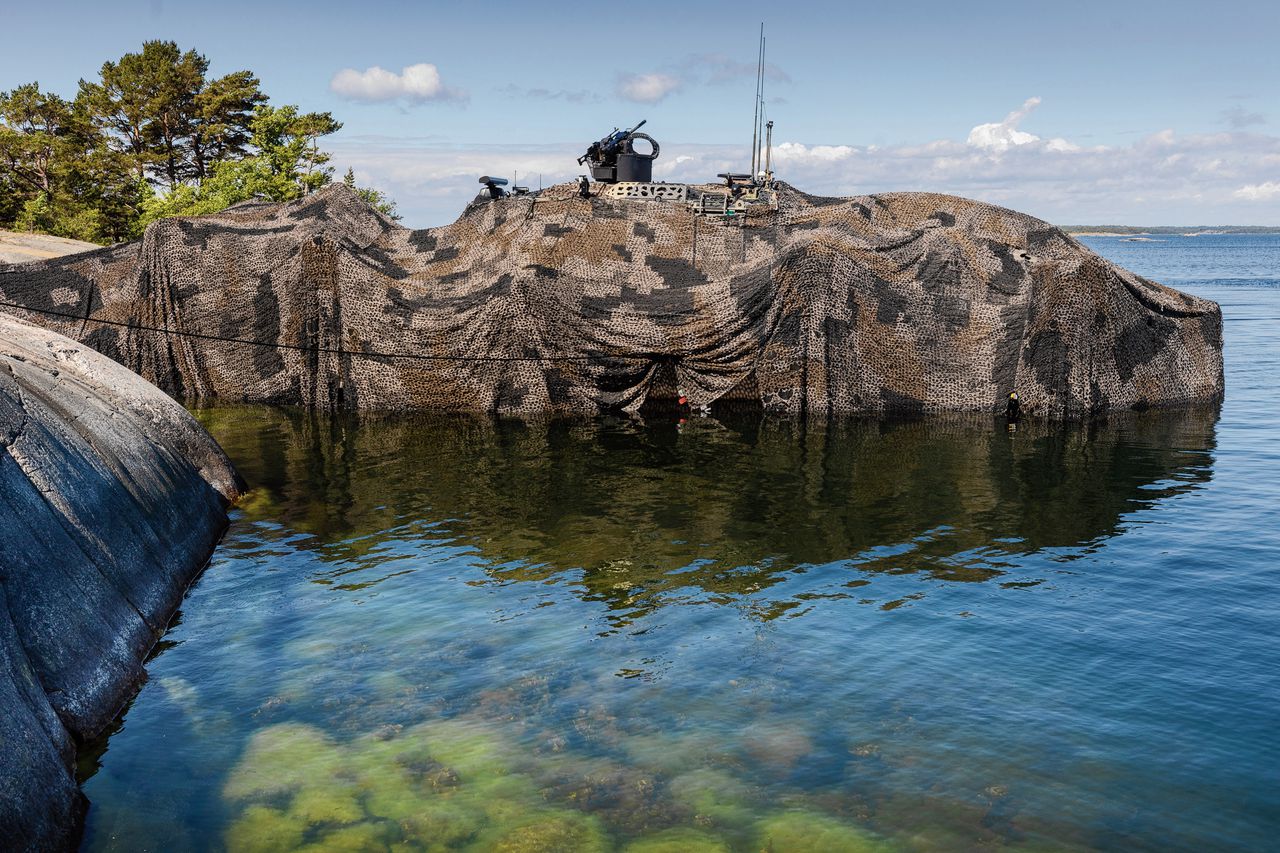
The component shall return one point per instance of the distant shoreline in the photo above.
(1178, 230)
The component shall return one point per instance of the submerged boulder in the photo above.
(892, 303)
(111, 499)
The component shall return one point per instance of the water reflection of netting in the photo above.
(901, 302)
(637, 516)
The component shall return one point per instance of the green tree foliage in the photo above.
(153, 136)
(159, 107)
(287, 163)
(58, 173)
(374, 198)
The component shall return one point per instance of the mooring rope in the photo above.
(334, 350)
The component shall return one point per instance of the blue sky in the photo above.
(1119, 112)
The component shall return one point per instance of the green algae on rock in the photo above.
(679, 840)
(813, 832)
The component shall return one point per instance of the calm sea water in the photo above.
(450, 634)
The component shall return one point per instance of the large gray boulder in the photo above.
(111, 499)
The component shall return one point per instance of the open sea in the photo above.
(432, 634)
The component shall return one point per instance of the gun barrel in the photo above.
(642, 123)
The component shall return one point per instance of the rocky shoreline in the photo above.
(112, 498)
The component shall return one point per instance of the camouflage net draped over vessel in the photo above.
(893, 303)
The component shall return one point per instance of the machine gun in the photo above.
(614, 158)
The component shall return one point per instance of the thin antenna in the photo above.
(764, 44)
(755, 119)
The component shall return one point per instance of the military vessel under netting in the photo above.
(615, 291)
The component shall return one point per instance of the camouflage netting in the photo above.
(902, 303)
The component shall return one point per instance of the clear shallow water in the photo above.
(736, 635)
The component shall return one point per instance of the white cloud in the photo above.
(795, 152)
(415, 83)
(1002, 135)
(647, 88)
(1259, 192)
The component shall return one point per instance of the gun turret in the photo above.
(494, 186)
(615, 159)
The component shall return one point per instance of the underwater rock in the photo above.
(716, 798)
(265, 830)
(300, 789)
(111, 499)
(810, 832)
(562, 832)
(678, 841)
(889, 303)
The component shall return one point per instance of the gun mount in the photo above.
(615, 160)
(494, 186)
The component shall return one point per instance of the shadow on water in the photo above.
(635, 514)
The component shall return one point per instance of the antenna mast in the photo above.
(755, 121)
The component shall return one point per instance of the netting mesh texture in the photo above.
(893, 303)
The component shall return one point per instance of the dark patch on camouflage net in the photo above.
(861, 209)
(1098, 400)
(641, 230)
(622, 252)
(558, 386)
(190, 230)
(1011, 277)
(448, 253)
(1211, 329)
(788, 331)
(318, 210)
(553, 230)
(836, 332)
(423, 241)
(676, 272)
(543, 271)
(895, 403)
(751, 285)
(510, 394)
(104, 339)
(806, 225)
(383, 263)
(1046, 355)
(1041, 239)
(953, 311)
(946, 219)
(1141, 341)
(1004, 366)
(938, 272)
(890, 303)
(403, 305)
(267, 361)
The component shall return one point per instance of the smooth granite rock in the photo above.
(896, 303)
(111, 499)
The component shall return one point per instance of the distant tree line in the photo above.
(1171, 229)
(154, 136)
